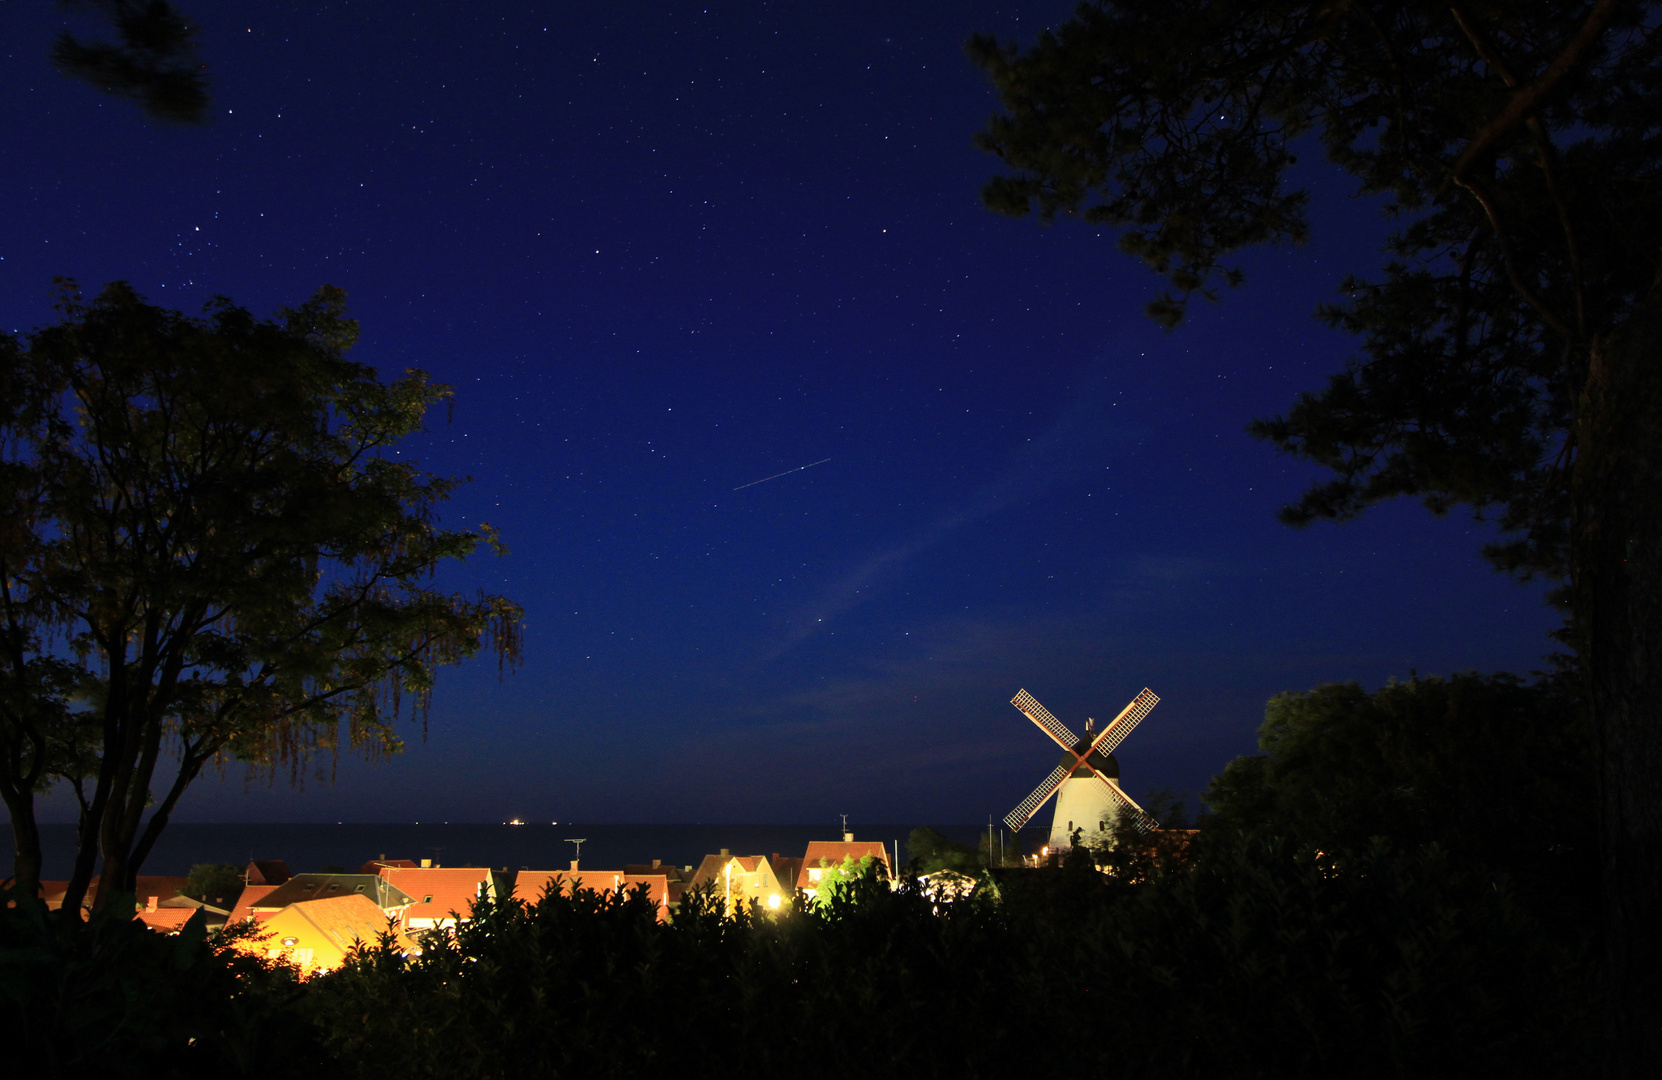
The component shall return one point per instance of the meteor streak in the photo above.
(777, 475)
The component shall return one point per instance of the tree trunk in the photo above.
(1617, 577)
(26, 862)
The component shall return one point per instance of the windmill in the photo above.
(1086, 781)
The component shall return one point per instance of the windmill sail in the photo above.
(1130, 717)
(1041, 716)
(1140, 816)
(1025, 809)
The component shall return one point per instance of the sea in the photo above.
(314, 847)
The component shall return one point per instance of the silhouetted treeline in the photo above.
(1355, 908)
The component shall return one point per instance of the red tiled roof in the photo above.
(166, 920)
(267, 872)
(162, 888)
(251, 895)
(530, 885)
(374, 866)
(439, 892)
(344, 919)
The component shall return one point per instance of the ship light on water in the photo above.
(516, 821)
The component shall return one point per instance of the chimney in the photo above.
(656, 863)
(427, 864)
(848, 838)
(150, 902)
(383, 856)
(574, 866)
(725, 853)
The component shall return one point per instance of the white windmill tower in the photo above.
(1086, 781)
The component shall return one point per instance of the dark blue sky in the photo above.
(665, 250)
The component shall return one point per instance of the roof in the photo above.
(440, 892)
(242, 911)
(166, 920)
(374, 866)
(162, 888)
(268, 872)
(303, 887)
(833, 852)
(344, 919)
(787, 869)
(713, 867)
(531, 884)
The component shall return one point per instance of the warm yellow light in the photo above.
(773, 900)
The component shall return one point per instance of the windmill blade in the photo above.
(1129, 717)
(1030, 805)
(1143, 822)
(1040, 715)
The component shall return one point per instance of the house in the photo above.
(439, 896)
(788, 870)
(530, 885)
(374, 866)
(244, 909)
(266, 872)
(737, 880)
(303, 887)
(164, 920)
(169, 920)
(317, 934)
(151, 891)
(823, 855)
(677, 879)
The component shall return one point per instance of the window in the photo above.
(428, 899)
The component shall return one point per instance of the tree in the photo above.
(1510, 342)
(213, 547)
(931, 850)
(1493, 770)
(838, 879)
(155, 63)
(214, 883)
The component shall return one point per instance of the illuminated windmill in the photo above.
(1086, 781)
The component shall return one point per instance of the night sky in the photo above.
(665, 250)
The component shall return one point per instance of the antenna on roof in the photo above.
(579, 852)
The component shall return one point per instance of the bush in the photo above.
(1253, 960)
(110, 997)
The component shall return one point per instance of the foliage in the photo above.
(835, 879)
(216, 547)
(1513, 142)
(155, 64)
(110, 997)
(1254, 961)
(930, 850)
(1492, 769)
(214, 883)
(1509, 343)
